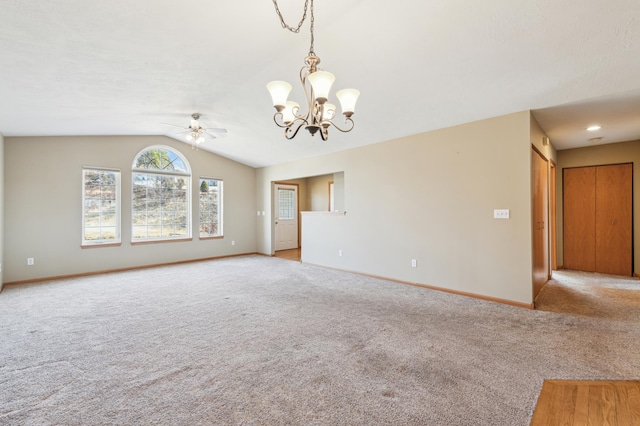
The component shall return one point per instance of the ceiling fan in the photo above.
(195, 133)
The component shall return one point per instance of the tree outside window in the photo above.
(210, 207)
(161, 195)
(100, 206)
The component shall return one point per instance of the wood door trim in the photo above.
(544, 157)
(274, 213)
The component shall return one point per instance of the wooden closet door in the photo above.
(614, 219)
(540, 213)
(579, 225)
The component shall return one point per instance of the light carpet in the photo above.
(255, 340)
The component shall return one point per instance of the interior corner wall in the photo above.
(1, 211)
(537, 135)
(43, 206)
(615, 153)
(431, 197)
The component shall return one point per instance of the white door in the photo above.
(286, 214)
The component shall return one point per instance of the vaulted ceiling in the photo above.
(71, 67)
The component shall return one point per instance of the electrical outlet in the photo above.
(339, 252)
(233, 243)
(501, 214)
(31, 261)
(414, 263)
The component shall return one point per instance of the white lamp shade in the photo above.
(200, 139)
(348, 98)
(189, 137)
(279, 92)
(328, 111)
(321, 82)
(290, 111)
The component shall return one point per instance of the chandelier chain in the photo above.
(304, 17)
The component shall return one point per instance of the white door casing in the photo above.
(286, 216)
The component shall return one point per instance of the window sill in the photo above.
(98, 245)
(217, 237)
(173, 240)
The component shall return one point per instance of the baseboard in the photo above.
(130, 268)
(478, 296)
(436, 288)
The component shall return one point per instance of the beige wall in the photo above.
(1, 211)
(616, 153)
(430, 197)
(43, 206)
(318, 193)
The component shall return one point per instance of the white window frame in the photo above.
(220, 233)
(163, 173)
(118, 234)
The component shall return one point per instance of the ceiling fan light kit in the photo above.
(317, 86)
(195, 133)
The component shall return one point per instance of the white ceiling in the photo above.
(72, 67)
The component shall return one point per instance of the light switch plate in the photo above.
(501, 214)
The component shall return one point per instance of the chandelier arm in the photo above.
(302, 120)
(275, 120)
(289, 133)
(344, 130)
(308, 93)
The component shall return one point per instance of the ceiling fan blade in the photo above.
(210, 135)
(174, 125)
(216, 130)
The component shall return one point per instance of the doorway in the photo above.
(285, 204)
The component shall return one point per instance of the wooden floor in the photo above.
(575, 402)
(293, 254)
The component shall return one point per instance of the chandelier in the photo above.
(317, 84)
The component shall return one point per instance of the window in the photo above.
(161, 181)
(100, 206)
(286, 203)
(210, 207)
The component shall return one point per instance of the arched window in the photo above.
(161, 188)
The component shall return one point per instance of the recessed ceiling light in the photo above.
(595, 140)
(594, 128)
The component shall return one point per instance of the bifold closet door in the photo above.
(598, 219)
(579, 234)
(614, 219)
